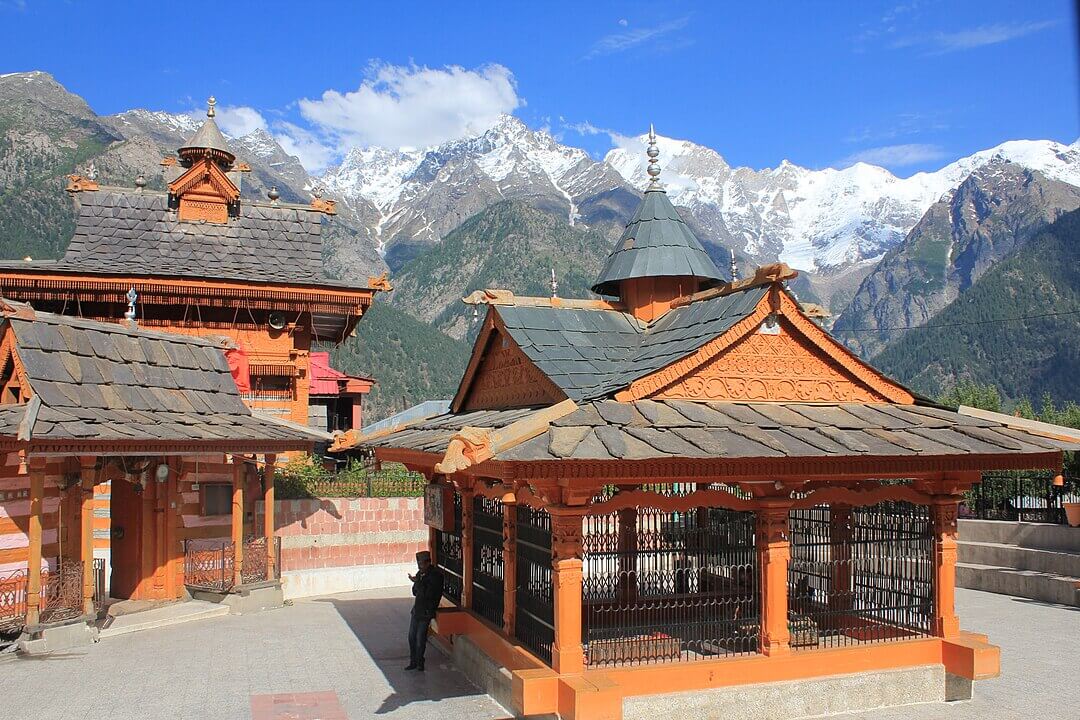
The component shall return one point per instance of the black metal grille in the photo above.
(534, 617)
(669, 586)
(487, 550)
(861, 574)
(1027, 496)
(448, 556)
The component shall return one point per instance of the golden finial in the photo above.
(210, 107)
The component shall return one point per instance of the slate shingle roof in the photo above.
(591, 353)
(656, 243)
(647, 429)
(135, 233)
(103, 381)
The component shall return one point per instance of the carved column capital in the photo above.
(772, 526)
(943, 513)
(566, 535)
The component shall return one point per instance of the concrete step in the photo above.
(1032, 584)
(172, 614)
(1020, 558)
(1039, 536)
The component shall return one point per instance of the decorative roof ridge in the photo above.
(496, 296)
(764, 275)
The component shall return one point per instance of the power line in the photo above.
(962, 324)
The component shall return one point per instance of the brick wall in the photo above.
(322, 535)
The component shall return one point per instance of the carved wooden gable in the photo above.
(789, 359)
(506, 378)
(205, 192)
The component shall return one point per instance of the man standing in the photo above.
(427, 588)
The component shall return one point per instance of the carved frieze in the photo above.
(507, 378)
(779, 367)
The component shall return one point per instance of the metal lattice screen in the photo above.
(448, 557)
(487, 550)
(534, 616)
(860, 574)
(662, 586)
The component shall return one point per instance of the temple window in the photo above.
(217, 499)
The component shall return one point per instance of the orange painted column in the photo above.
(268, 515)
(943, 516)
(509, 566)
(467, 495)
(238, 520)
(840, 547)
(33, 583)
(567, 654)
(774, 551)
(87, 476)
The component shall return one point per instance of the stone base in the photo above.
(957, 688)
(244, 599)
(47, 639)
(790, 699)
(329, 581)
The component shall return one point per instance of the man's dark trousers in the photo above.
(418, 632)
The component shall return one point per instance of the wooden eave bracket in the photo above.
(22, 311)
(472, 446)
(380, 282)
(78, 183)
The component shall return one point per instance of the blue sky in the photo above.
(910, 85)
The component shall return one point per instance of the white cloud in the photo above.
(622, 41)
(314, 154)
(623, 22)
(895, 155)
(238, 121)
(414, 107)
(940, 43)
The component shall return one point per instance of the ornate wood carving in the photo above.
(566, 533)
(772, 526)
(672, 503)
(781, 367)
(205, 192)
(507, 378)
(380, 282)
(326, 206)
(78, 183)
(944, 517)
(850, 496)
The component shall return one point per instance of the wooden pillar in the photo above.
(509, 565)
(774, 551)
(839, 597)
(268, 515)
(467, 495)
(943, 517)
(567, 654)
(33, 583)
(87, 479)
(238, 520)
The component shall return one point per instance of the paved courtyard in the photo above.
(342, 657)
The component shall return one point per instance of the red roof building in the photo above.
(335, 400)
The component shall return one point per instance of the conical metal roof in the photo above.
(208, 137)
(656, 243)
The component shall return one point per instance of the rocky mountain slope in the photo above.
(994, 212)
(968, 340)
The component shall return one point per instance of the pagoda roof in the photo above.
(208, 137)
(131, 232)
(99, 384)
(656, 243)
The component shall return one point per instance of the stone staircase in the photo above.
(1029, 560)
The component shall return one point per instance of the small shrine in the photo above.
(689, 485)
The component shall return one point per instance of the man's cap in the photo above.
(423, 555)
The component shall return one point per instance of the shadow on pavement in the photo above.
(1029, 601)
(381, 625)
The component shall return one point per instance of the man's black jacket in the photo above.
(427, 588)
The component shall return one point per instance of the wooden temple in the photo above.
(157, 415)
(689, 485)
(203, 260)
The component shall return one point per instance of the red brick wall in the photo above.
(341, 532)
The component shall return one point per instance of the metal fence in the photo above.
(860, 574)
(661, 586)
(487, 554)
(1028, 496)
(534, 616)
(448, 556)
(210, 565)
(62, 592)
(13, 601)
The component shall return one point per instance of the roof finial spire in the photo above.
(653, 152)
(554, 284)
(210, 103)
(734, 270)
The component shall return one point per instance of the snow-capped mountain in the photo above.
(820, 219)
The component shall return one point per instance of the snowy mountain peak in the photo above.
(174, 122)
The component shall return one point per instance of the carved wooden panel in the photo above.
(780, 367)
(506, 378)
(215, 212)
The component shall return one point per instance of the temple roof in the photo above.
(131, 232)
(209, 137)
(647, 429)
(99, 382)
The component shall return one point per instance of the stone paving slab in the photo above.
(351, 649)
